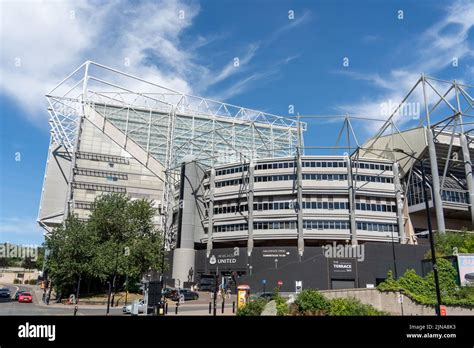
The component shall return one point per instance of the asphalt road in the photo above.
(15, 308)
(199, 307)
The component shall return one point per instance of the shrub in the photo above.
(16, 281)
(32, 281)
(253, 308)
(352, 306)
(281, 306)
(312, 302)
(422, 290)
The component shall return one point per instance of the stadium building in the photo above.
(235, 192)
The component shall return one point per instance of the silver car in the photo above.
(141, 307)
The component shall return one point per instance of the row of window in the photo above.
(326, 205)
(370, 178)
(306, 164)
(101, 174)
(260, 225)
(277, 165)
(83, 205)
(231, 182)
(330, 177)
(319, 177)
(373, 166)
(454, 196)
(262, 206)
(391, 208)
(312, 164)
(376, 227)
(325, 225)
(95, 187)
(102, 158)
(232, 170)
(308, 225)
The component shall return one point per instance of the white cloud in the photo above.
(434, 51)
(50, 39)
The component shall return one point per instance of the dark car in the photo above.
(266, 295)
(167, 292)
(18, 293)
(5, 294)
(186, 293)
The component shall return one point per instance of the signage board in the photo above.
(342, 268)
(228, 258)
(443, 310)
(298, 286)
(466, 269)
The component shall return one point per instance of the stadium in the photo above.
(238, 193)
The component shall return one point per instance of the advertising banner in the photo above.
(466, 269)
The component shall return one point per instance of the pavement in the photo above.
(38, 307)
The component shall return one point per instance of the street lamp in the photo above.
(430, 229)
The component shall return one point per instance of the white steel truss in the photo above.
(169, 125)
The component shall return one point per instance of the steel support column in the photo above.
(210, 213)
(351, 202)
(70, 195)
(438, 203)
(468, 170)
(250, 194)
(398, 196)
(299, 194)
(466, 156)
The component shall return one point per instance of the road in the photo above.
(15, 308)
(198, 307)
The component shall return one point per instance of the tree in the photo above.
(119, 240)
(28, 263)
(72, 248)
(129, 243)
(450, 242)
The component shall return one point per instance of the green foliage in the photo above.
(118, 240)
(312, 302)
(6, 262)
(16, 281)
(446, 244)
(281, 305)
(352, 306)
(422, 289)
(32, 281)
(252, 308)
(28, 263)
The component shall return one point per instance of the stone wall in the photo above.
(389, 302)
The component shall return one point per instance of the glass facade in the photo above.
(211, 139)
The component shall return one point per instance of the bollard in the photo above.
(233, 306)
(75, 310)
(210, 307)
(222, 310)
(166, 308)
(176, 308)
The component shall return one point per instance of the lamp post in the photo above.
(430, 229)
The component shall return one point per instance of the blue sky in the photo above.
(191, 46)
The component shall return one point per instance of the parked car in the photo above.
(18, 293)
(187, 293)
(141, 308)
(266, 295)
(5, 294)
(25, 297)
(167, 292)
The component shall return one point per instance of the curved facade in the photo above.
(258, 205)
